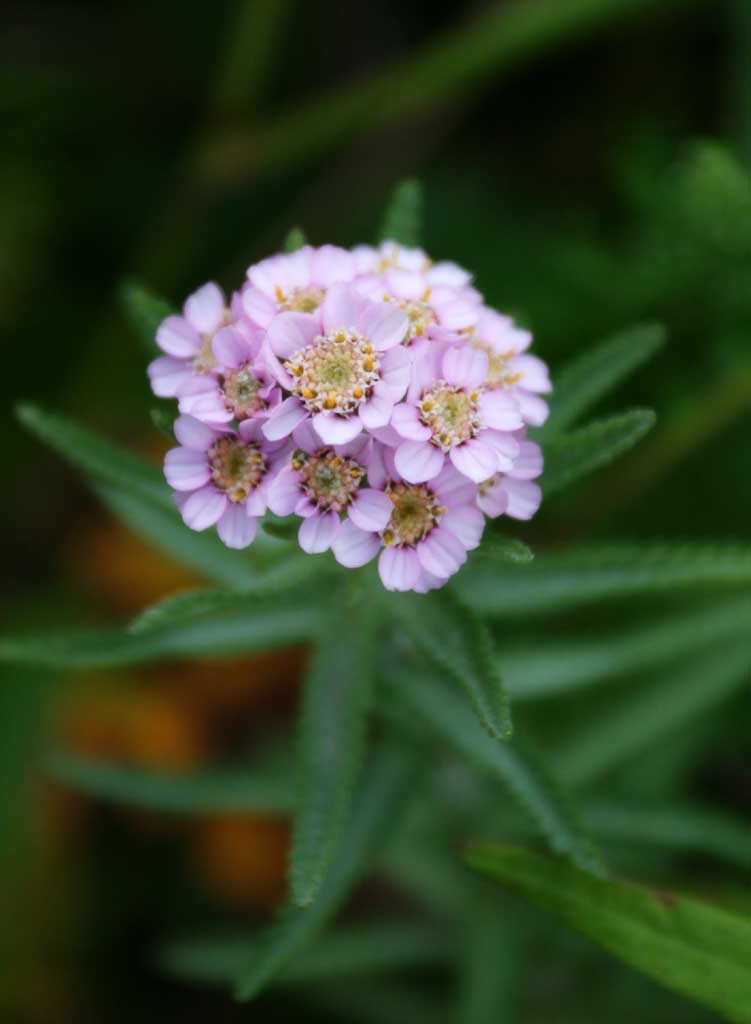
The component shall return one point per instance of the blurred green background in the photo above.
(587, 159)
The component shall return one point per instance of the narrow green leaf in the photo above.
(402, 221)
(204, 792)
(331, 739)
(593, 375)
(386, 785)
(574, 455)
(684, 827)
(692, 947)
(564, 666)
(373, 948)
(280, 579)
(667, 704)
(144, 311)
(520, 771)
(288, 619)
(505, 549)
(163, 419)
(579, 576)
(490, 967)
(295, 240)
(456, 643)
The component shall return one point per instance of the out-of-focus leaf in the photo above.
(667, 704)
(490, 967)
(287, 620)
(331, 740)
(579, 576)
(204, 792)
(505, 549)
(593, 375)
(145, 311)
(457, 644)
(573, 455)
(386, 785)
(676, 826)
(295, 240)
(163, 419)
(518, 769)
(362, 950)
(402, 221)
(692, 947)
(561, 666)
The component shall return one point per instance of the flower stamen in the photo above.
(237, 467)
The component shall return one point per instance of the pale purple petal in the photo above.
(192, 433)
(500, 410)
(405, 284)
(523, 498)
(176, 337)
(528, 465)
(448, 273)
(284, 419)
(376, 411)
(493, 500)
(290, 332)
(418, 461)
(167, 376)
(371, 510)
(334, 429)
(331, 265)
(201, 397)
(186, 469)
(203, 508)
(383, 325)
(476, 459)
(465, 367)
(504, 445)
(352, 547)
(534, 373)
(341, 307)
(306, 438)
(441, 553)
(258, 307)
(230, 347)
(399, 568)
(256, 504)
(533, 408)
(317, 532)
(204, 309)
(396, 368)
(377, 473)
(284, 493)
(407, 423)
(453, 488)
(466, 523)
(235, 527)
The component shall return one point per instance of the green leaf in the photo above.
(283, 528)
(295, 240)
(387, 783)
(491, 966)
(520, 770)
(692, 947)
(593, 375)
(456, 643)
(505, 549)
(579, 576)
(564, 666)
(574, 455)
(288, 619)
(163, 418)
(145, 312)
(683, 827)
(373, 948)
(402, 222)
(667, 704)
(204, 792)
(331, 739)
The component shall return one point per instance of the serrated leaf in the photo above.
(295, 240)
(667, 704)
(287, 620)
(372, 948)
(579, 576)
(145, 311)
(276, 581)
(576, 662)
(402, 221)
(692, 947)
(571, 456)
(454, 641)
(386, 784)
(520, 770)
(593, 375)
(204, 792)
(331, 741)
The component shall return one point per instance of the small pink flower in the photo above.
(510, 366)
(294, 282)
(426, 539)
(322, 483)
(241, 386)
(513, 493)
(343, 366)
(451, 417)
(221, 477)
(187, 340)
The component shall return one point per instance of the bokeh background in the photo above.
(587, 159)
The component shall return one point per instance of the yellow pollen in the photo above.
(367, 348)
(330, 402)
(367, 365)
(296, 464)
(357, 392)
(426, 293)
(240, 494)
(388, 537)
(474, 395)
(512, 378)
(386, 296)
(309, 393)
(355, 473)
(419, 330)
(427, 406)
(296, 370)
(279, 293)
(340, 336)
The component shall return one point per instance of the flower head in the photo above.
(295, 282)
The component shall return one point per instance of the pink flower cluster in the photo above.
(369, 392)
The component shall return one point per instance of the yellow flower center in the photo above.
(451, 413)
(336, 373)
(329, 480)
(416, 512)
(236, 468)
